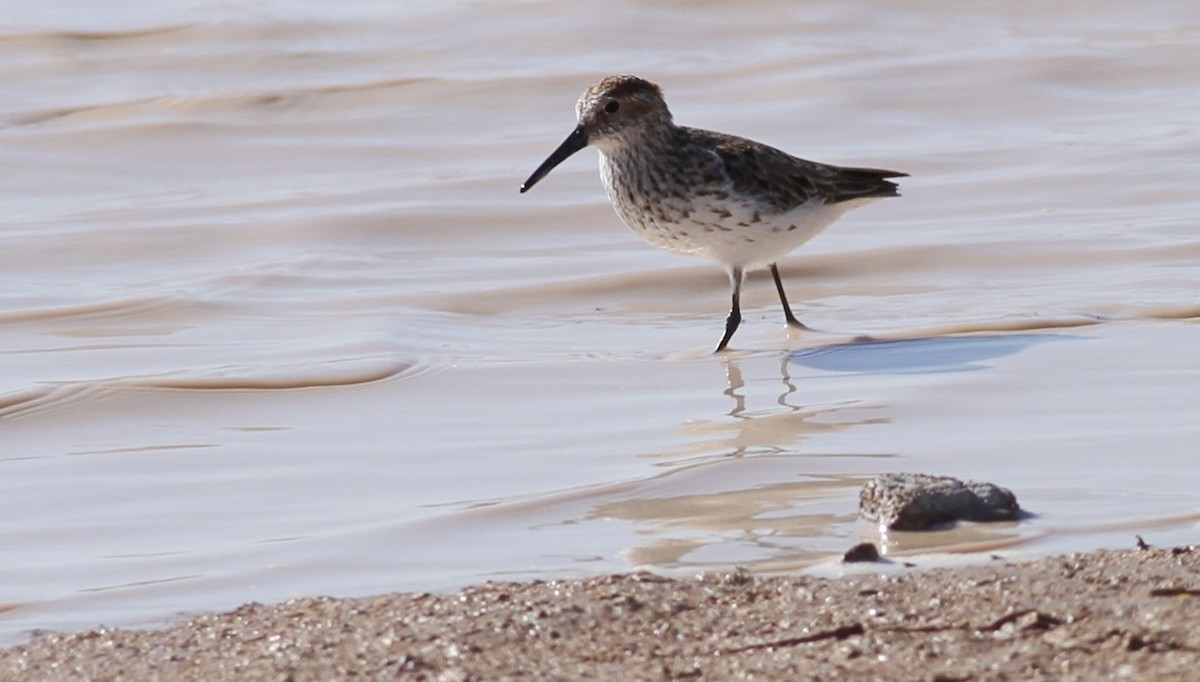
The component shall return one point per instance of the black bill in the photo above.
(575, 141)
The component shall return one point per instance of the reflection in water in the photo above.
(754, 498)
(919, 356)
(742, 492)
(771, 430)
(784, 521)
(735, 389)
(735, 383)
(960, 538)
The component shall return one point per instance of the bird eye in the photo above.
(612, 107)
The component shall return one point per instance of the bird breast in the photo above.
(701, 216)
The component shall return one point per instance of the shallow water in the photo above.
(274, 320)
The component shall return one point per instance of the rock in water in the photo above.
(861, 553)
(920, 501)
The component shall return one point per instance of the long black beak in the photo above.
(575, 141)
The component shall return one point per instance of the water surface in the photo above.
(274, 320)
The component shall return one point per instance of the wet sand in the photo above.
(1105, 615)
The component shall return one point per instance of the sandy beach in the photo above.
(1106, 615)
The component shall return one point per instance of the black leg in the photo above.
(735, 311)
(787, 310)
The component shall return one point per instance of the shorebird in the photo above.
(701, 193)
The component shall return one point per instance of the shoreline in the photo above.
(1098, 615)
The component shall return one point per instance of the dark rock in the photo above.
(864, 551)
(920, 501)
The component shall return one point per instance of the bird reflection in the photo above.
(772, 429)
(735, 383)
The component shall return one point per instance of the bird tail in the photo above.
(866, 183)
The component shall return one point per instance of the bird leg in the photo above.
(735, 312)
(787, 310)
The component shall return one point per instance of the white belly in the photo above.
(731, 232)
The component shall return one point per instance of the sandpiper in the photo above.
(701, 193)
